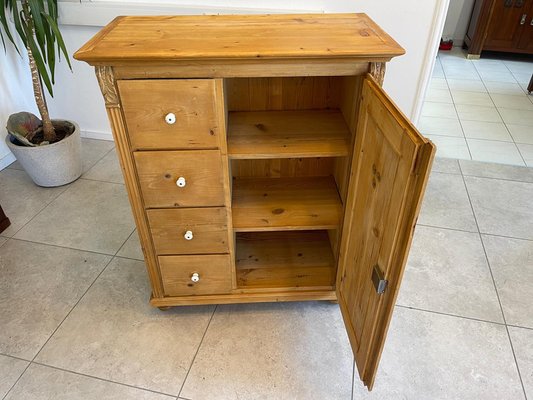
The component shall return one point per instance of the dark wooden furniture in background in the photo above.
(500, 25)
(4, 221)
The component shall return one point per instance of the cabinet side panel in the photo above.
(222, 117)
(118, 127)
(350, 100)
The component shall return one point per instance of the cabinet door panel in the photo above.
(505, 28)
(389, 172)
(526, 39)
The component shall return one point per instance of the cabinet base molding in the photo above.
(243, 298)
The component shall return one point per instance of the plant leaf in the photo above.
(35, 11)
(22, 139)
(59, 37)
(4, 22)
(18, 23)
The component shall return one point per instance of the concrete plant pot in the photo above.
(53, 164)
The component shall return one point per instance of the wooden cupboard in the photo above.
(500, 25)
(264, 162)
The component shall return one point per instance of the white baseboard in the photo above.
(97, 135)
(430, 56)
(7, 160)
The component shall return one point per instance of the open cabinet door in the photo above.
(390, 167)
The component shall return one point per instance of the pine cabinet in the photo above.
(264, 162)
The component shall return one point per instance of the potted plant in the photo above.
(48, 150)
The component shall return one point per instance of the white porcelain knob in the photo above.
(170, 118)
(181, 182)
(195, 277)
(188, 235)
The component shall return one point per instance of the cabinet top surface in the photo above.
(218, 37)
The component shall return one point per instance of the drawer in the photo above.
(170, 113)
(213, 273)
(189, 230)
(180, 178)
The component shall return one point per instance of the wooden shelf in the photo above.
(275, 204)
(287, 134)
(284, 259)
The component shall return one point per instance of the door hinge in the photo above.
(378, 279)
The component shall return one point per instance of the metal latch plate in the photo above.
(378, 279)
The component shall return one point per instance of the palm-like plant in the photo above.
(35, 24)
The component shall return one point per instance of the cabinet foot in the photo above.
(334, 301)
(164, 308)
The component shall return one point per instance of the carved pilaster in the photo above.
(106, 80)
(377, 70)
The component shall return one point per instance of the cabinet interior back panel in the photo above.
(293, 93)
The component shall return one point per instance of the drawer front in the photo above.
(213, 274)
(170, 113)
(189, 230)
(180, 178)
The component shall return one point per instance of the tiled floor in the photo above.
(480, 109)
(75, 321)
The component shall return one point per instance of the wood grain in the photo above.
(265, 204)
(216, 37)
(158, 172)
(263, 68)
(214, 272)
(284, 259)
(192, 101)
(208, 225)
(253, 297)
(391, 158)
(283, 94)
(287, 134)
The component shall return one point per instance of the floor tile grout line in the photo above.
(82, 178)
(101, 379)
(482, 233)
(457, 113)
(79, 300)
(126, 241)
(100, 159)
(520, 327)
(197, 350)
(486, 140)
(495, 289)
(483, 82)
(65, 247)
(449, 314)
(32, 361)
(353, 378)
(504, 123)
(17, 381)
(72, 309)
(66, 187)
(15, 357)
(493, 178)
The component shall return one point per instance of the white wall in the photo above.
(15, 94)
(411, 22)
(457, 20)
